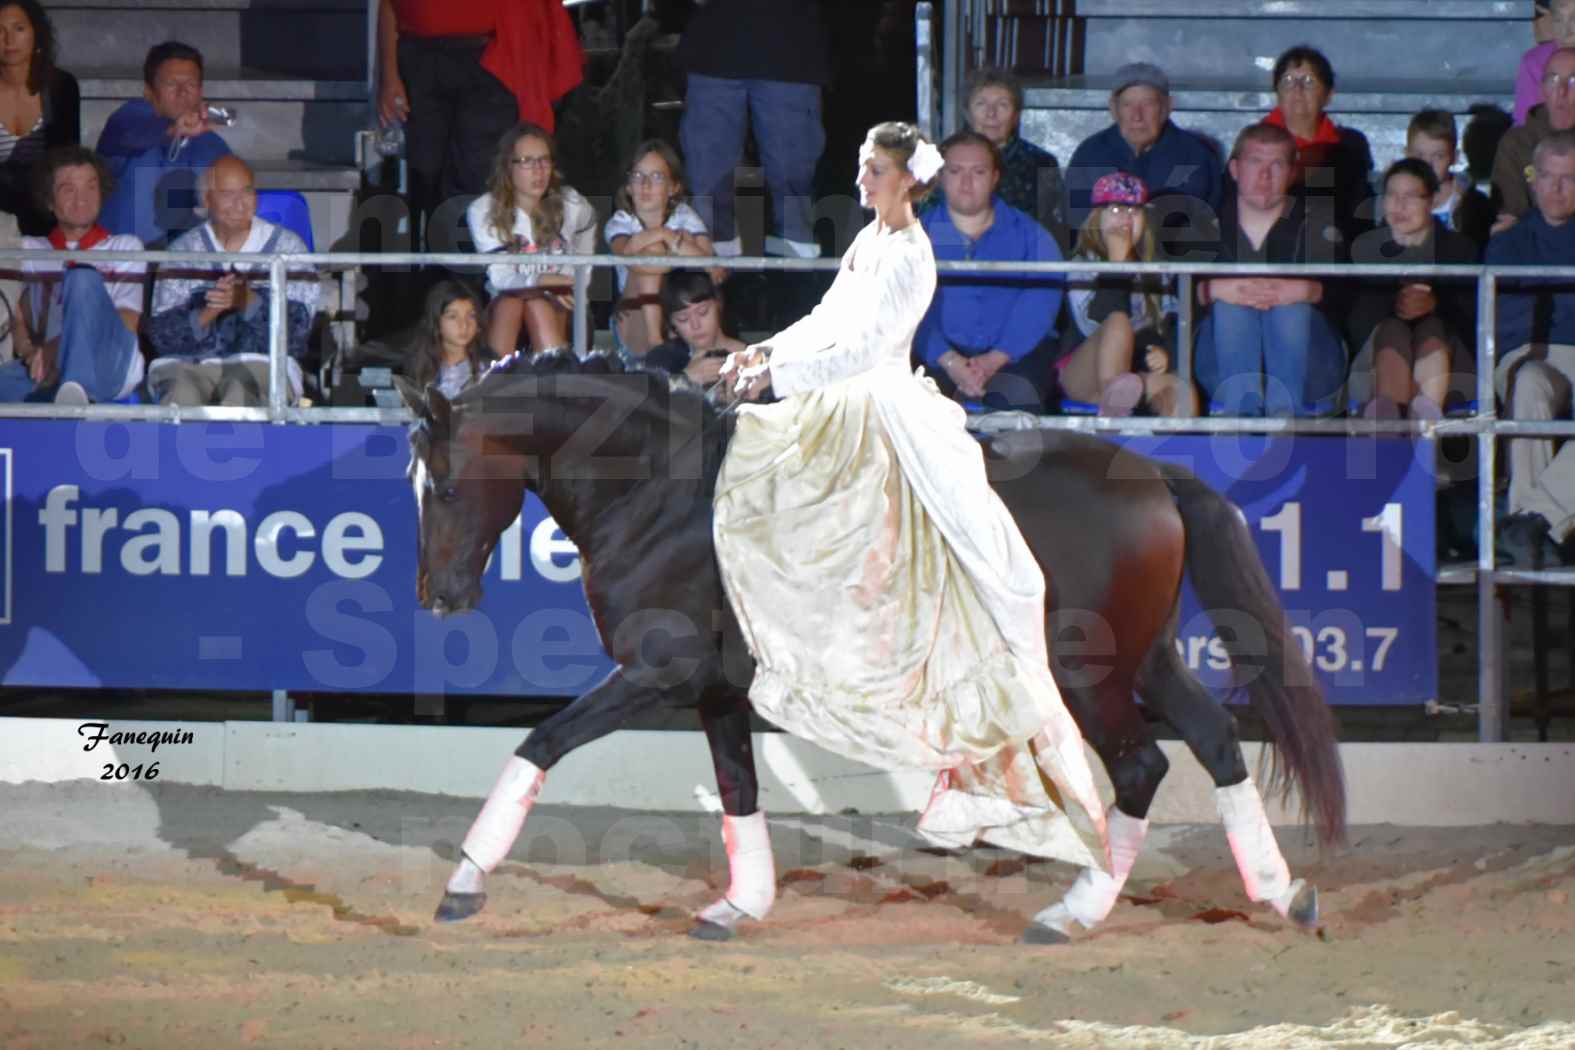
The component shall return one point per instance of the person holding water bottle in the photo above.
(155, 147)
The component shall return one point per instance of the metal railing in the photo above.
(1483, 424)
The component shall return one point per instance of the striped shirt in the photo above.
(22, 150)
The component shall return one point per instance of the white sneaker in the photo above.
(72, 393)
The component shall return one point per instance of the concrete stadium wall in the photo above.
(1407, 784)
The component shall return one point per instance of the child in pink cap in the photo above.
(1126, 324)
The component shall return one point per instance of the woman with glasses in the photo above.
(1412, 330)
(653, 218)
(529, 211)
(1333, 161)
(1534, 63)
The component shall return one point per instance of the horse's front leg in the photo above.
(1113, 725)
(1210, 733)
(752, 874)
(490, 838)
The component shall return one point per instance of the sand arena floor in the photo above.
(169, 917)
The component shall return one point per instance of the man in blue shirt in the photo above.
(987, 337)
(1181, 170)
(157, 145)
(1534, 374)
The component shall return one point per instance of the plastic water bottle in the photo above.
(390, 140)
(218, 117)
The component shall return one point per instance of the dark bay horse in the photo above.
(626, 462)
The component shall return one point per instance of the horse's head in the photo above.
(468, 489)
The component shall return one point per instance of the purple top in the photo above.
(1528, 81)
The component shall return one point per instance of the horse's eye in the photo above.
(449, 495)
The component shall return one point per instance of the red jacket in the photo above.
(536, 54)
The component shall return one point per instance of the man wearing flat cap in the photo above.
(1173, 163)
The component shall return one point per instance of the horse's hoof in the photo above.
(1039, 933)
(705, 930)
(1303, 910)
(457, 906)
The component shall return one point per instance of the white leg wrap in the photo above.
(752, 872)
(498, 825)
(1258, 858)
(1094, 893)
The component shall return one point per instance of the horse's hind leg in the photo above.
(503, 815)
(1114, 727)
(752, 876)
(1170, 688)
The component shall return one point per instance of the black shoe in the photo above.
(1524, 543)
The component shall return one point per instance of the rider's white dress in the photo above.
(895, 611)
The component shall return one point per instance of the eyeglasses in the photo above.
(648, 178)
(531, 162)
(1553, 82)
(1300, 82)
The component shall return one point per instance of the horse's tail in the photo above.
(1227, 574)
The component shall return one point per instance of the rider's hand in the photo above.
(738, 372)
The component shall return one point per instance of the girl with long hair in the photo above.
(653, 218)
(1127, 324)
(528, 211)
(448, 350)
(40, 108)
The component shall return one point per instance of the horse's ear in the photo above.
(414, 398)
(440, 407)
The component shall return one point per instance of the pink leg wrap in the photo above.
(1258, 858)
(1094, 893)
(501, 818)
(752, 873)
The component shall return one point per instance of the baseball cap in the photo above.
(1145, 73)
(1119, 187)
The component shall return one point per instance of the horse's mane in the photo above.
(684, 400)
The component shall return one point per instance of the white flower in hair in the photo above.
(925, 162)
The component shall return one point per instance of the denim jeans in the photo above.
(1287, 361)
(788, 132)
(95, 346)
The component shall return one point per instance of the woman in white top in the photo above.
(894, 609)
(529, 211)
(653, 218)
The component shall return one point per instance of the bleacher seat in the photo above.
(287, 208)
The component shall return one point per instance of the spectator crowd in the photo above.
(1294, 186)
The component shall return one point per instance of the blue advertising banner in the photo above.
(1345, 527)
(253, 557)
